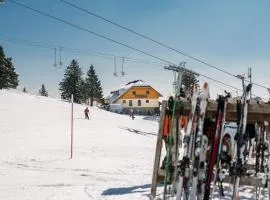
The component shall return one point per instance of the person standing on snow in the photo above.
(86, 113)
(131, 114)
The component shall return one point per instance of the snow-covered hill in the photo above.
(113, 155)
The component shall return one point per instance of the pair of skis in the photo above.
(214, 146)
(185, 162)
(191, 144)
(201, 143)
(238, 169)
(260, 148)
(262, 129)
(219, 174)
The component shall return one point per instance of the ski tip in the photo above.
(205, 89)
(205, 85)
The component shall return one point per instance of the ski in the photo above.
(218, 174)
(262, 151)
(258, 147)
(267, 136)
(214, 146)
(185, 162)
(238, 169)
(168, 140)
(198, 173)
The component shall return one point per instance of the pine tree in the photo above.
(43, 91)
(92, 86)
(188, 80)
(72, 83)
(13, 81)
(24, 90)
(8, 76)
(3, 69)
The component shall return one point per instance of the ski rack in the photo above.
(256, 112)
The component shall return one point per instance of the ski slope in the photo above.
(113, 155)
(112, 159)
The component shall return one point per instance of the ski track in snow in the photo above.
(113, 155)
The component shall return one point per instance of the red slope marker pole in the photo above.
(71, 132)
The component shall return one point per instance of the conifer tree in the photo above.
(13, 81)
(43, 91)
(2, 69)
(72, 83)
(8, 76)
(188, 80)
(92, 86)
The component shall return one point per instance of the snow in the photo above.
(112, 159)
(113, 155)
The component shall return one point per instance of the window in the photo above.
(139, 103)
(130, 102)
(146, 101)
(147, 92)
(124, 101)
(134, 92)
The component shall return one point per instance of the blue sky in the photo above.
(232, 35)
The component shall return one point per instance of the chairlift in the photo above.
(115, 73)
(122, 72)
(55, 64)
(60, 56)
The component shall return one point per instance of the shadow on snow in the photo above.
(138, 131)
(152, 118)
(126, 190)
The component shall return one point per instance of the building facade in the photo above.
(138, 96)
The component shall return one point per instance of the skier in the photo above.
(131, 113)
(86, 113)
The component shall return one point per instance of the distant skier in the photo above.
(131, 113)
(86, 113)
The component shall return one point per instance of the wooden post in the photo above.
(158, 151)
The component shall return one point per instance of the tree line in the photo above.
(72, 83)
(82, 89)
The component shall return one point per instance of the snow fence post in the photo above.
(71, 131)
